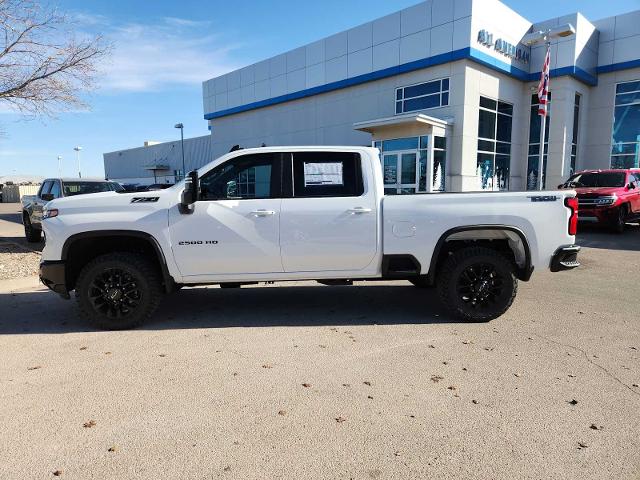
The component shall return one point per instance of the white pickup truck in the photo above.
(300, 213)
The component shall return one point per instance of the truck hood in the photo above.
(113, 201)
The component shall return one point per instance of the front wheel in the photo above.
(619, 223)
(32, 234)
(117, 291)
(477, 284)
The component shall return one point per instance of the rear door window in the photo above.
(326, 174)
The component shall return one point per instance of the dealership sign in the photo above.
(508, 49)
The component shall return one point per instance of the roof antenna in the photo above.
(234, 148)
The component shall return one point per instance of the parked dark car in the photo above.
(52, 188)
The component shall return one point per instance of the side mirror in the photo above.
(631, 186)
(190, 192)
(47, 197)
(561, 186)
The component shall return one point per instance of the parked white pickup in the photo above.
(300, 213)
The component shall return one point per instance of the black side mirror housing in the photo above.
(631, 186)
(47, 197)
(561, 186)
(190, 192)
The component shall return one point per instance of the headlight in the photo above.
(50, 213)
(605, 200)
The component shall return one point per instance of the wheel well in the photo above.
(508, 241)
(78, 252)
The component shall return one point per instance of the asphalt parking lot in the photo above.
(309, 381)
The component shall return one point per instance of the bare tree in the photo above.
(45, 66)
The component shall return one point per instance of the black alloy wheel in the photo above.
(115, 293)
(477, 284)
(118, 290)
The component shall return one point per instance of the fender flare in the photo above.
(166, 276)
(523, 273)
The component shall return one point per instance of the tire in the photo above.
(32, 234)
(101, 294)
(421, 282)
(619, 223)
(468, 274)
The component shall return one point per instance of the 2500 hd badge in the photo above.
(198, 242)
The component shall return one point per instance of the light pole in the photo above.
(181, 127)
(60, 165)
(545, 36)
(77, 149)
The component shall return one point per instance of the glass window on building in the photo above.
(405, 164)
(574, 135)
(439, 163)
(422, 96)
(534, 143)
(495, 119)
(625, 144)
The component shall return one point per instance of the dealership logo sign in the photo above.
(504, 47)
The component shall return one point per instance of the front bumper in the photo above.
(565, 258)
(53, 276)
(603, 215)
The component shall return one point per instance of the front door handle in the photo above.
(357, 210)
(263, 213)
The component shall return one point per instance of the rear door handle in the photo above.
(359, 210)
(263, 213)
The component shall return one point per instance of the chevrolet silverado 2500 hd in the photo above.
(300, 213)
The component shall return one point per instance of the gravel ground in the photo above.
(17, 261)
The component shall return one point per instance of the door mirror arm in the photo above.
(190, 192)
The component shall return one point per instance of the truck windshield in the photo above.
(597, 179)
(81, 188)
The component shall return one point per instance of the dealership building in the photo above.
(445, 89)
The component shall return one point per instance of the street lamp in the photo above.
(545, 36)
(60, 165)
(181, 127)
(77, 149)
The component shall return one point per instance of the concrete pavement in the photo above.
(309, 381)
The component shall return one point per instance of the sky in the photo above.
(164, 50)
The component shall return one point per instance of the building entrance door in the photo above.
(401, 172)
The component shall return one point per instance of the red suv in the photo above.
(608, 197)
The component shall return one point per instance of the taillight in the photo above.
(572, 204)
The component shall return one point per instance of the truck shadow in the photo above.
(11, 217)
(20, 245)
(599, 237)
(44, 312)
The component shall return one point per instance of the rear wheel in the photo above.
(118, 290)
(477, 284)
(619, 223)
(32, 234)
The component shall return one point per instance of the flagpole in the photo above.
(543, 127)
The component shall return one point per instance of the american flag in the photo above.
(543, 86)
